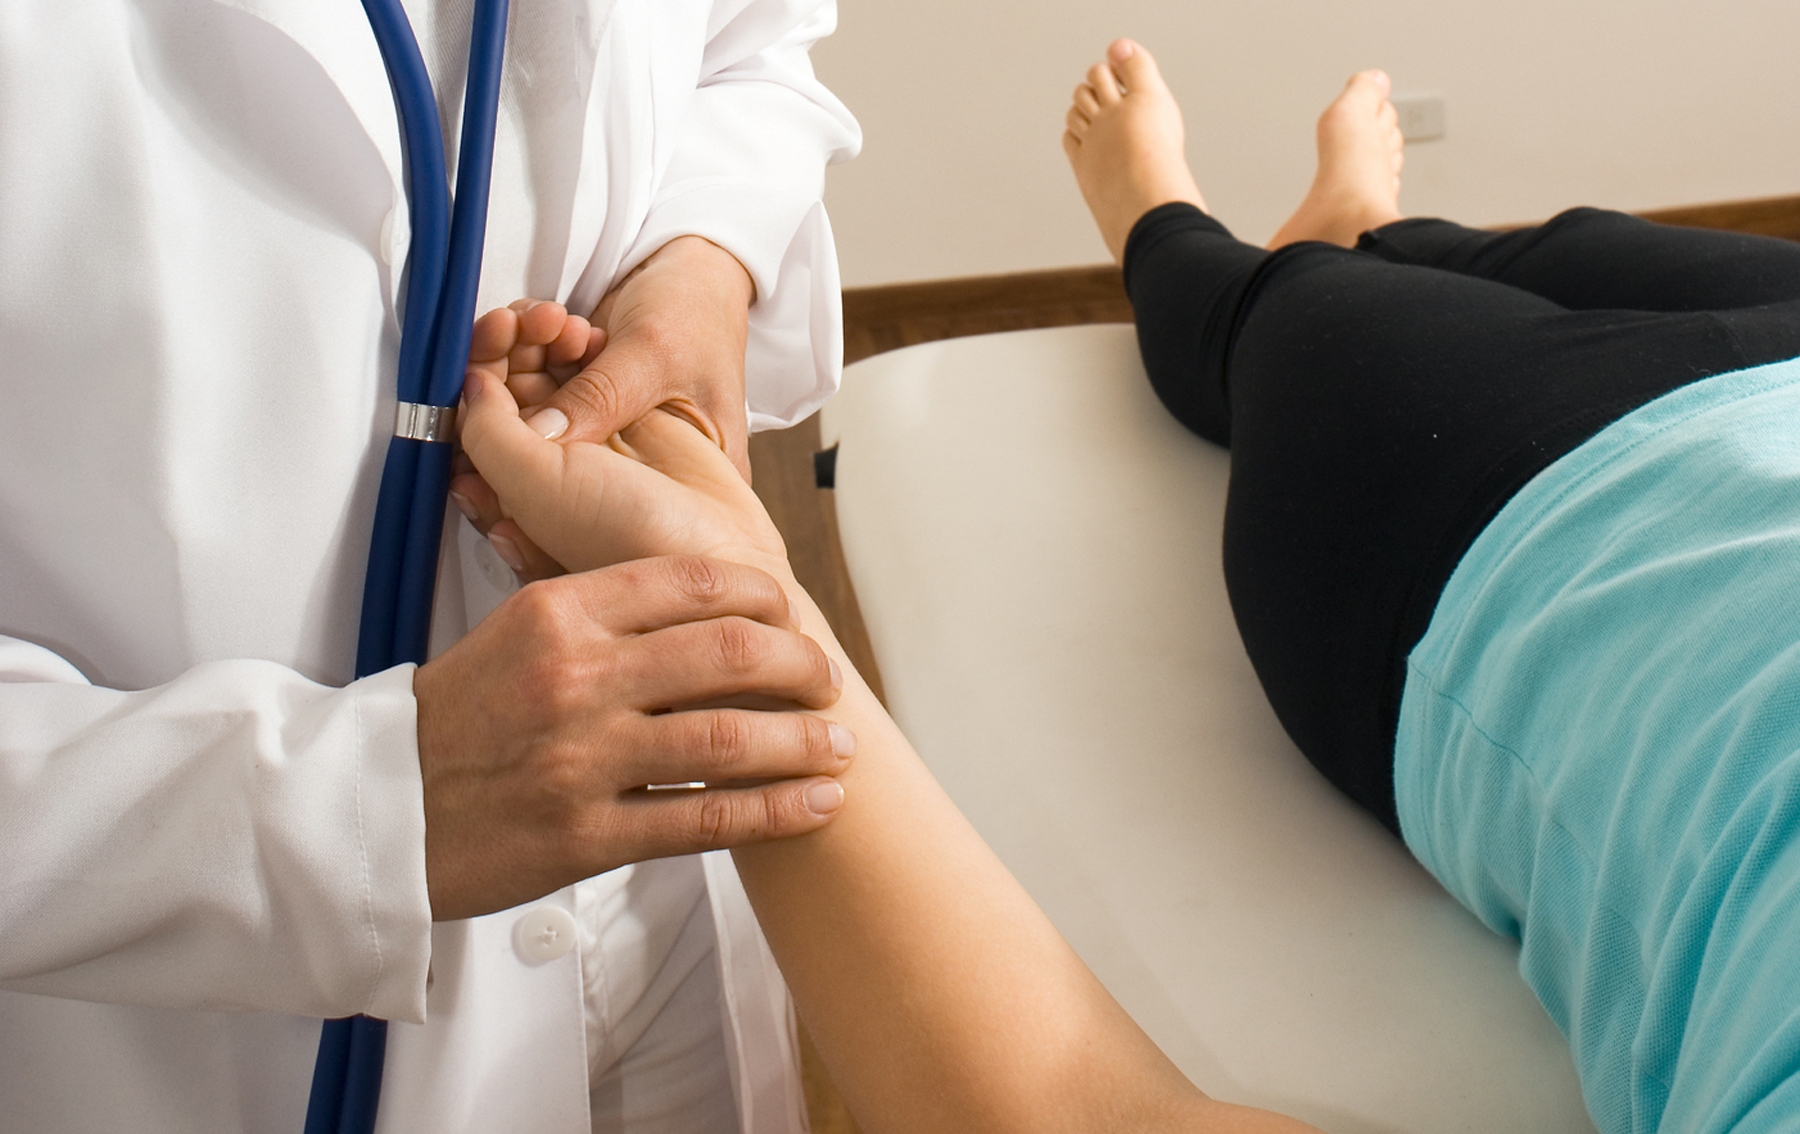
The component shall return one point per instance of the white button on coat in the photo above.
(544, 934)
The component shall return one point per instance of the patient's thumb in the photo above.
(509, 452)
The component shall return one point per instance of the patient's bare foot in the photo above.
(1357, 187)
(1124, 139)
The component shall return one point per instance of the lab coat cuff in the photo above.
(794, 355)
(391, 799)
(752, 220)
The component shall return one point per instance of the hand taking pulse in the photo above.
(672, 333)
(539, 730)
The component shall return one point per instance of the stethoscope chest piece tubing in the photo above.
(443, 275)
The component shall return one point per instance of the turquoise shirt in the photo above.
(1599, 753)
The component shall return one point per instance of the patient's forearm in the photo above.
(939, 994)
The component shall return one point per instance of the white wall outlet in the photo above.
(1421, 116)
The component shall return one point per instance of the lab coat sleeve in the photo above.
(748, 173)
(239, 838)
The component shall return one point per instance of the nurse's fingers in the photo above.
(674, 439)
(731, 746)
(666, 823)
(642, 596)
(703, 663)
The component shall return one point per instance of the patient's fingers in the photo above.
(578, 344)
(540, 321)
(513, 457)
(516, 550)
(552, 348)
(531, 387)
(492, 340)
(540, 324)
(476, 500)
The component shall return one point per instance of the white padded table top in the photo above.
(1035, 547)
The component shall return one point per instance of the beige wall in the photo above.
(1550, 103)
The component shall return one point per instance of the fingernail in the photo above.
(793, 610)
(463, 504)
(508, 551)
(549, 422)
(843, 741)
(824, 797)
(837, 675)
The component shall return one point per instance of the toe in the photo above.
(1087, 103)
(1368, 88)
(1134, 66)
(1105, 84)
(1076, 123)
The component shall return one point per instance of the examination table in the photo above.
(1034, 545)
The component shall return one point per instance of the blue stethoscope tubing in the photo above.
(443, 274)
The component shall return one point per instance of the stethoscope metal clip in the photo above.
(417, 422)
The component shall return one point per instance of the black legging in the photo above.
(1383, 404)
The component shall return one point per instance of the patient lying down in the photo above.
(941, 997)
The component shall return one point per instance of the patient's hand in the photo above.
(534, 347)
(658, 487)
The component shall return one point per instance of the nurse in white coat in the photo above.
(208, 841)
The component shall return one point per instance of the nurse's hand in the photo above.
(675, 331)
(539, 731)
(671, 334)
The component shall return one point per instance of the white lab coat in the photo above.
(207, 840)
